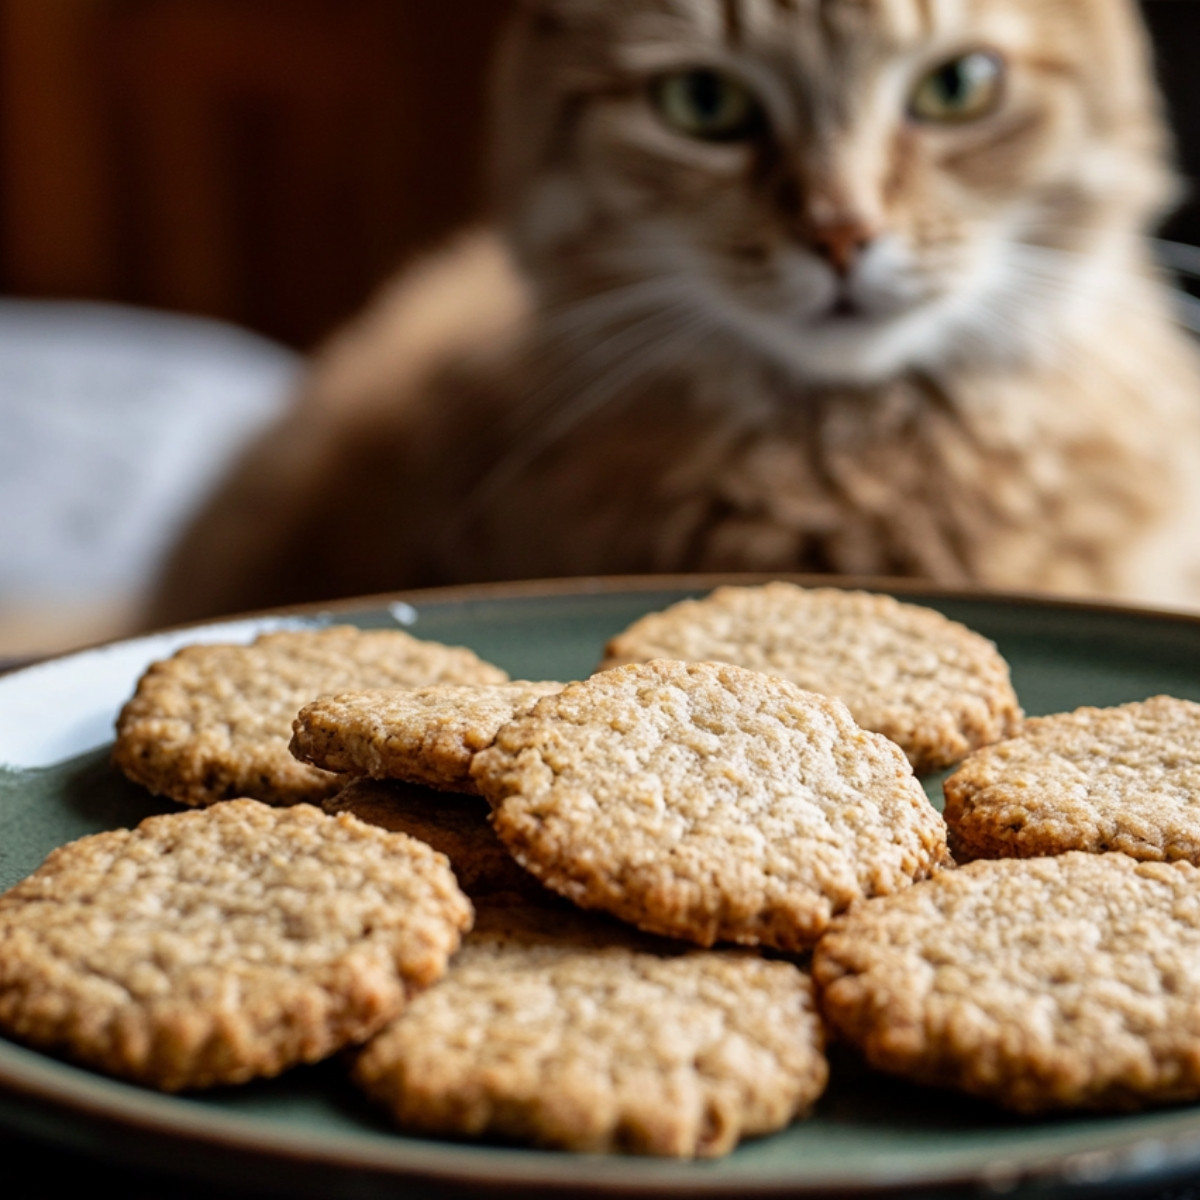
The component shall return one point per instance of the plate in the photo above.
(310, 1132)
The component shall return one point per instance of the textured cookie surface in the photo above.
(708, 802)
(454, 825)
(575, 1037)
(422, 735)
(1042, 983)
(1124, 778)
(213, 722)
(933, 686)
(225, 944)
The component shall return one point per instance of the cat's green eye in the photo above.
(962, 89)
(707, 104)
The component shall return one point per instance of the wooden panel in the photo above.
(57, 192)
(267, 161)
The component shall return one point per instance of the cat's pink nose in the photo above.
(841, 243)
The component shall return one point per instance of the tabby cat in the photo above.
(833, 285)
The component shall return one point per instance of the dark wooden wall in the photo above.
(266, 161)
(270, 161)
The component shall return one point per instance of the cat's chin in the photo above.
(851, 348)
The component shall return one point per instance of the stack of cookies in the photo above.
(669, 879)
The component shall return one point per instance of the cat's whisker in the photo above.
(637, 352)
(582, 339)
(594, 367)
(1014, 316)
(593, 322)
(1056, 261)
(1057, 275)
(1044, 282)
(587, 334)
(623, 302)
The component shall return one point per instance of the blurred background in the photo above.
(263, 161)
(248, 171)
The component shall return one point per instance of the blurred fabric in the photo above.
(115, 423)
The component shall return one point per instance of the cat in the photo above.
(771, 285)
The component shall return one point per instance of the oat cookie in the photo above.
(573, 1036)
(930, 684)
(708, 802)
(1124, 778)
(221, 945)
(1041, 983)
(422, 735)
(454, 825)
(213, 721)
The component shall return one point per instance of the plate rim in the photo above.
(596, 585)
(59, 1087)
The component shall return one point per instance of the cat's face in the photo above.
(854, 187)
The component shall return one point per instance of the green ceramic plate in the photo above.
(308, 1131)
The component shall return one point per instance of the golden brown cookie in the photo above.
(572, 1035)
(454, 825)
(707, 802)
(1041, 983)
(221, 945)
(213, 721)
(933, 686)
(422, 735)
(1124, 778)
